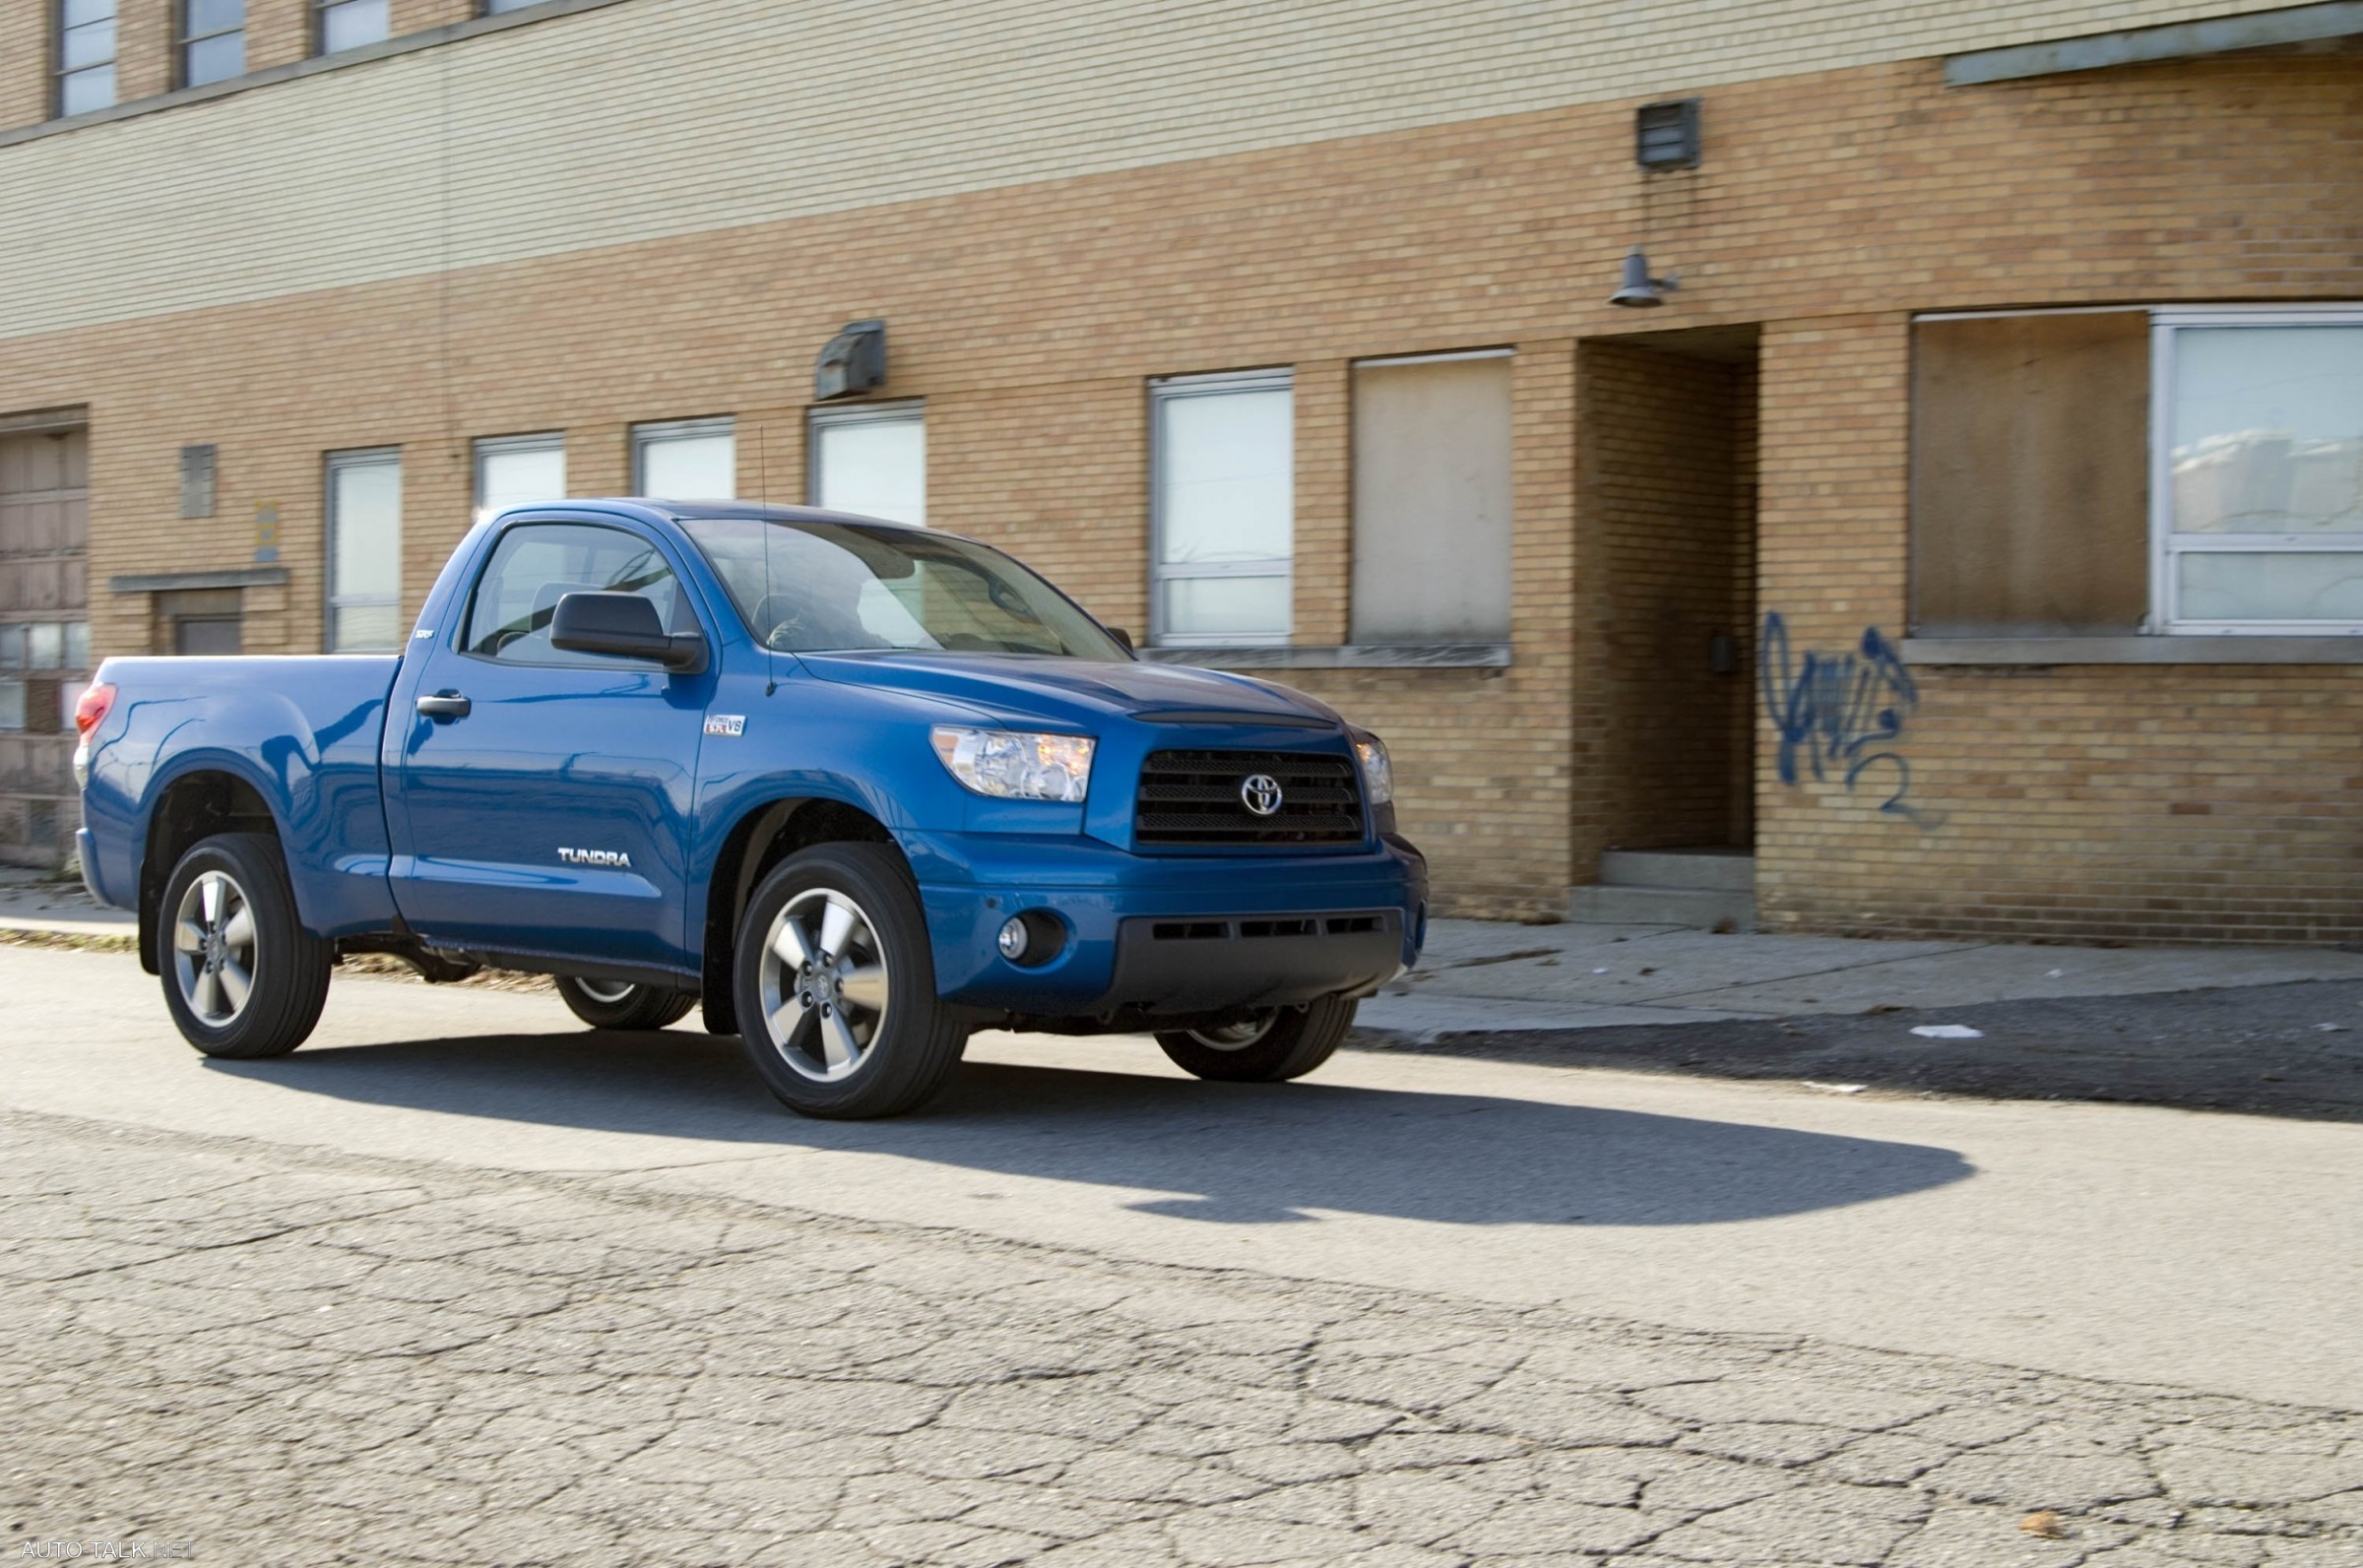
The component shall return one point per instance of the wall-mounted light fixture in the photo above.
(1639, 290)
(853, 362)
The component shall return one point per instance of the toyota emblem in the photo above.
(1260, 793)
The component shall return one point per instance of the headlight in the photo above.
(1378, 773)
(1016, 764)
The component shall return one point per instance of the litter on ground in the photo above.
(1948, 1031)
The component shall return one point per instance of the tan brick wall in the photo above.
(144, 36)
(1029, 318)
(25, 58)
(417, 16)
(278, 32)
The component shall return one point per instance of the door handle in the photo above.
(444, 705)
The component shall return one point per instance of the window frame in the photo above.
(648, 433)
(684, 598)
(330, 602)
(483, 446)
(2166, 545)
(825, 416)
(320, 10)
(183, 40)
(1162, 389)
(59, 71)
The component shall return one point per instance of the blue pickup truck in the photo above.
(853, 788)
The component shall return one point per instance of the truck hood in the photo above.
(1071, 689)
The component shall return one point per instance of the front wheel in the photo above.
(1270, 1048)
(836, 987)
(243, 977)
(618, 1004)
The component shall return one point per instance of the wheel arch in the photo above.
(190, 807)
(762, 836)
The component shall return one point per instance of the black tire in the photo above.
(1286, 1042)
(605, 1004)
(851, 1033)
(228, 921)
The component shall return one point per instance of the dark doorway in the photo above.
(1668, 441)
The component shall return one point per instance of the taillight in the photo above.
(91, 711)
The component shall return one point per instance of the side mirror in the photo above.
(627, 626)
(1122, 636)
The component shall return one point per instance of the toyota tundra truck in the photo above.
(854, 788)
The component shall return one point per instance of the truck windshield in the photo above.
(824, 588)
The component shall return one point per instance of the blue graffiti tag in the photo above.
(1838, 712)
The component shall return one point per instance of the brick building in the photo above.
(1974, 533)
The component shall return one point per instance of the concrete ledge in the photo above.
(171, 582)
(1347, 656)
(2181, 40)
(1925, 651)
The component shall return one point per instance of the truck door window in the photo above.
(535, 565)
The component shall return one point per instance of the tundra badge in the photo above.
(613, 858)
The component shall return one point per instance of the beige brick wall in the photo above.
(24, 56)
(1029, 318)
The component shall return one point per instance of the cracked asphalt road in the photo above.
(305, 1357)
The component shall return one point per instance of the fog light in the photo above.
(1032, 940)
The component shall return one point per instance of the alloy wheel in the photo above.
(1235, 1036)
(213, 949)
(824, 985)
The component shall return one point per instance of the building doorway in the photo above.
(1668, 510)
(200, 622)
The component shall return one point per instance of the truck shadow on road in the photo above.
(1237, 1154)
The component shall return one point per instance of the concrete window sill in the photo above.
(1349, 655)
(1974, 650)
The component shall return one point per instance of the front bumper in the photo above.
(1167, 936)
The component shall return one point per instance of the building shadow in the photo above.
(1234, 1152)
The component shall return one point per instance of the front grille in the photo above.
(1192, 797)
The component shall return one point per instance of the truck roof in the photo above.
(657, 509)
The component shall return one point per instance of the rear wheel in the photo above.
(836, 987)
(1282, 1044)
(242, 978)
(618, 1004)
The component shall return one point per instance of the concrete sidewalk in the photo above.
(1482, 975)
(30, 901)
(1485, 975)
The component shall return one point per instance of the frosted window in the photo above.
(214, 47)
(693, 461)
(364, 551)
(86, 55)
(349, 24)
(2276, 585)
(872, 463)
(516, 471)
(1225, 505)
